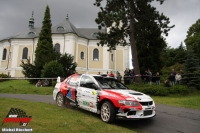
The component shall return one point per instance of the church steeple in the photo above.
(67, 17)
(31, 22)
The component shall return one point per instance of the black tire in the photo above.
(60, 99)
(107, 112)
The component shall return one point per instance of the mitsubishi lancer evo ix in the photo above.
(105, 96)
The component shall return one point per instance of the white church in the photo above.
(79, 42)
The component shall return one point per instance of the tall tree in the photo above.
(193, 38)
(69, 67)
(120, 16)
(191, 76)
(44, 52)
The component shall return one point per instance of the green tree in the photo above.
(69, 66)
(44, 52)
(171, 56)
(191, 77)
(52, 69)
(30, 71)
(193, 38)
(120, 16)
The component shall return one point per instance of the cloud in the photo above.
(15, 15)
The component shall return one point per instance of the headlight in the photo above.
(128, 103)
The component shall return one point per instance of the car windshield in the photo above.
(110, 83)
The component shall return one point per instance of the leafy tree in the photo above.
(193, 38)
(171, 56)
(52, 69)
(30, 71)
(181, 54)
(190, 76)
(120, 16)
(44, 52)
(69, 66)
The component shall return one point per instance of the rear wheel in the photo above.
(60, 99)
(107, 112)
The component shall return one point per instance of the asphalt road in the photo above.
(169, 119)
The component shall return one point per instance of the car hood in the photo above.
(129, 95)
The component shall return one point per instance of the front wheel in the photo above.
(60, 99)
(107, 112)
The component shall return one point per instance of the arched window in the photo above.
(95, 54)
(4, 54)
(60, 28)
(112, 58)
(25, 53)
(57, 47)
(82, 55)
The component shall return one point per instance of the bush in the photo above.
(3, 76)
(52, 69)
(159, 90)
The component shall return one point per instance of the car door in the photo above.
(86, 94)
(72, 85)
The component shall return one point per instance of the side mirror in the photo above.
(94, 86)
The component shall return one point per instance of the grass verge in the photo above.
(48, 118)
(191, 100)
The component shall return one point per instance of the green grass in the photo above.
(48, 118)
(188, 101)
(23, 87)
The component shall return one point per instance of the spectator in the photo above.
(149, 76)
(126, 78)
(132, 76)
(46, 82)
(39, 84)
(111, 74)
(171, 79)
(145, 77)
(166, 84)
(173, 74)
(181, 73)
(157, 78)
(119, 77)
(178, 78)
(99, 73)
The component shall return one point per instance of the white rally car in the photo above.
(105, 96)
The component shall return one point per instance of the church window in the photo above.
(60, 28)
(25, 53)
(95, 34)
(82, 55)
(4, 54)
(112, 57)
(95, 54)
(31, 33)
(57, 48)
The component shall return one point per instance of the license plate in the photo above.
(147, 112)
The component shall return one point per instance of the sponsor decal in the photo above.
(71, 94)
(16, 115)
(94, 92)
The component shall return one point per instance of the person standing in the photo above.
(119, 77)
(150, 77)
(157, 78)
(178, 78)
(172, 75)
(111, 74)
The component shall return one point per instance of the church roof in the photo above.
(62, 28)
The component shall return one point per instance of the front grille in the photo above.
(147, 112)
(131, 113)
(146, 103)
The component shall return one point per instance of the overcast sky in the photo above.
(15, 14)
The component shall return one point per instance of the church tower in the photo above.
(31, 22)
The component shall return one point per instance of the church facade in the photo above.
(79, 42)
